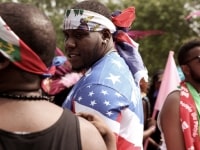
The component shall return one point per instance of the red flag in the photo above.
(125, 18)
(170, 81)
(138, 34)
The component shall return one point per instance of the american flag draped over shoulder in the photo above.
(126, 46)
(112, 94)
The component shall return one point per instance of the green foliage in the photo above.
(55, 10)
(167, 16)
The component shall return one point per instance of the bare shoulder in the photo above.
(170, 122)
(90, 137)
(170, 107)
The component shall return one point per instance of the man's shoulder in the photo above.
(112, 67)
(87, 129)
(113, 61)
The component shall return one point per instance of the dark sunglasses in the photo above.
(196, 57)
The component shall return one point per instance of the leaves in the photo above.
(166, 16)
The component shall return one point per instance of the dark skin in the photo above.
(192, 68)
(150, 123)
(33, 115)
(105, 131)
(84, 48)
(10, 76)
(169, 116)
(170, 122)
(43, 113)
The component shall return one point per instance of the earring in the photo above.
(104, 41)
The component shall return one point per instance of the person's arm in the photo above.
(170, 122)
(105, 131)
(151, 128)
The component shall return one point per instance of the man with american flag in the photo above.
(109, 85)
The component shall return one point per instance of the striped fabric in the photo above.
(21, 55)
(109, 90)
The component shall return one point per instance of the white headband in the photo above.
(87, 20)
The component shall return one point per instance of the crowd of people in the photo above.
(96, 93)
(29, 120)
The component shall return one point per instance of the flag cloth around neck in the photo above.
(126, 46)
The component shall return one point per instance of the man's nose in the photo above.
(70, 43)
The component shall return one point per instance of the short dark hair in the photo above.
(185, 48)
(95, 6)
(32, 26)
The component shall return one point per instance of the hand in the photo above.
(151, 122)
(151, 128)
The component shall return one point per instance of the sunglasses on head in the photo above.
(196, 57)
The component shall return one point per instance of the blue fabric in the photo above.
(59, 60)
(110, 75)
(131, 56)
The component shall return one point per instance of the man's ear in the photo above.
(185, 70)
(3, 62)
(106, 35)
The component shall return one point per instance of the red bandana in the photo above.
(20, 54)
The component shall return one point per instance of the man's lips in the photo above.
(73, 55)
